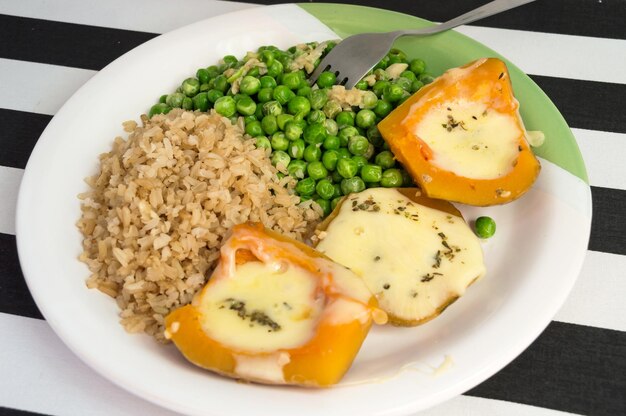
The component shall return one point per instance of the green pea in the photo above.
(220, 83)
(254, 128)
(175, 100)
(485, 227)
(293, 130)
(332, 109)
(268, 82)
(280, 159)
(426, 78)
(344, 153)
(331, 143)
(391, 178)
(258, 114)
(330, 159)
(331, 127)
(283, 94)
(304, 91)
(357, 145)
(324, 204)
(254, 72)
(383, 108)
(417, 66)
(249, 119)
(345, 134)
(325, 189)
(270, 126)
(265, 95)
(393, 93)
(416, 85)
(371, 173)
(250, 85)
(272, 108)
(316, 116)
(335, 202)
(345, 118)
(404, 83)
(400, 57)
(408, 75)
(291, 80)
(275, 69)
(190, 87)
(369, 152)
(316, 170)
(374, 136)
(385, 159)
(238, 97)
(297, 169)
(347, 168)
(230, 60)
(160, 108)
(203, 75)
(318, 98)
(326, 79)
(213, 95)
(383, 63)
(312, 153)
(282, 119)
(336, 177)
(315, 133)
(201, 102)
(360, 162)
(267, 57)
(204, 87)
(369, 100)
(163, 99)
(226, 106)
(305, 186)
(246, 106)
(338, 191)
(379, 87)
(262, 142)
(296, 149)
(352, 185)
(299, 105)
(365, 118)
(361, 85)
(213, 71)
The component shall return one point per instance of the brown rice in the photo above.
(158, 209)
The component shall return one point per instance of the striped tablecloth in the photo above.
(574, 49)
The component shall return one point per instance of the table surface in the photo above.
(574, 49)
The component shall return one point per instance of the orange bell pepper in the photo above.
(340, 316)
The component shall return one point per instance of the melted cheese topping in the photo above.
(471, 140)
(262, 307)
(415, 259)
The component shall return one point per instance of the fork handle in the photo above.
(486, 10)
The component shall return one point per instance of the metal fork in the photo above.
(353, 57)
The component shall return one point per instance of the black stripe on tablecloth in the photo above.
(598, 18)
(608, 226)
(19, 132)
(572, 368)
(5, 411)
(14, 295)
(67, 44)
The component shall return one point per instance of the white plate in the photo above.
(532, 261)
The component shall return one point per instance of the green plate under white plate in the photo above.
(399, 370)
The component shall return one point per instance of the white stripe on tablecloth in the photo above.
(603, 153)
(38, 88)
(10, 179)
(597, 298)
(154, 16)
(47, 378)
(548, 54)
(554, 55)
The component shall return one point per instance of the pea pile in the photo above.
(322, 135)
